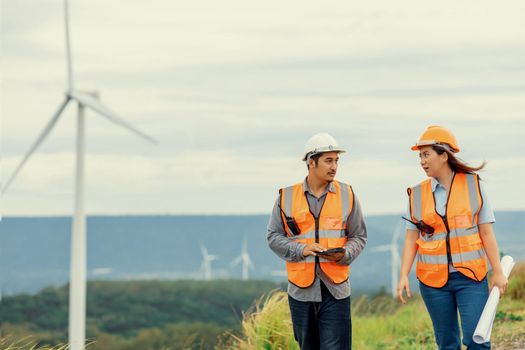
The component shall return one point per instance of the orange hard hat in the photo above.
(437, 135)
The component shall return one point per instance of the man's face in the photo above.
(326, 166)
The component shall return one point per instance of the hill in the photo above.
(34, 252)
(136, 315)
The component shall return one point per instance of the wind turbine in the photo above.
(244, 258)
(77, 283)
(206, 262)
(395, 259)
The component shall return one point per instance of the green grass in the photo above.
(408, 327)
(381, 323)
(27, 344)
(267, 326)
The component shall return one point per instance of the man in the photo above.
(308, 221)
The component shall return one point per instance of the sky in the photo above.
(233, 89)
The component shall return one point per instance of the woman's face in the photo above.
(432, 162)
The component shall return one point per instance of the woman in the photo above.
(450, 229)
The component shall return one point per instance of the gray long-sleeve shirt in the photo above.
(291, 250)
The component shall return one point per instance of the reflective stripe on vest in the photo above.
(465, 247)
(330, 232)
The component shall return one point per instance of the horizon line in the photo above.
(138, 214)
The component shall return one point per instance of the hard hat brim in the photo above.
(338, 150)
(433, 143)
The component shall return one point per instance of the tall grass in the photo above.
(27, 344)
(267, 326)
(379, 323)
(382, 323)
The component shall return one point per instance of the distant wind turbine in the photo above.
(206, 262)
(395, 258)
(244, 258)
(77, 283)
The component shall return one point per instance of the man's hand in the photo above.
(312, 249)
(334, 256)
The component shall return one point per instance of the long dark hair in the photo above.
(456, 164)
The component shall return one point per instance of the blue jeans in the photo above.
(460, 293)
(324, 325)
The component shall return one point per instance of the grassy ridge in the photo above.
(199, 315)
(382, 323)
(145, 315)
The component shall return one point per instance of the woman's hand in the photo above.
(486, 233)
(499, 280)
(402, 285)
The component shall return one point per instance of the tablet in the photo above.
(332, 251)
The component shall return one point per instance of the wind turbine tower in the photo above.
(77, 282)
(395, 258)
(244, 258)
(206, 263)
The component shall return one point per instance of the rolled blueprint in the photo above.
(484, 328)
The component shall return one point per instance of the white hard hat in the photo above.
(320, 143)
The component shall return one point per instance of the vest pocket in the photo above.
(471, 240)
(333, 223)
(427, 246)
(426, 267)
(431, 245)
(301, 216)
(472, 229)
(462, 220)
(336, 243)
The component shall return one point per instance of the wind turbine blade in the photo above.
(236, 261)
(68, 49)
(250, 263)
(37, 143)
(381, 248)
(204, 251)
(93, 103)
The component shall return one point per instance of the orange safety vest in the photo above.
(329, 230)
(456, 238)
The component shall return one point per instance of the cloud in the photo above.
(233, 91)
